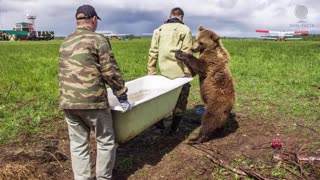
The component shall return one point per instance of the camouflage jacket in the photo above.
(166, 40)
(86, 65)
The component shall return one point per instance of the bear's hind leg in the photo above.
(203, 135)
(213, 119)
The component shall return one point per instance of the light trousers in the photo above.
(80, 123)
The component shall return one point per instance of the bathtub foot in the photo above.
(173, 132)
(175, 123)
(160, 124)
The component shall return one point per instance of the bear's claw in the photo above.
(198, 140)
(180, 55)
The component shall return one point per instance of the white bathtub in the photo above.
(152, 98)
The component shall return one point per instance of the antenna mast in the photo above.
(32, 25)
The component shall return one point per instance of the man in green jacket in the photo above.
(86, 65)
(173, 35)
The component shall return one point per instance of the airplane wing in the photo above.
(262, 31)
(121, 35)
(294, 33)
(301, 32)
(281, 35)
(285, 32)
(112, 34)
(146, 34)
(268, 37)
(289, 39)
(270, 33)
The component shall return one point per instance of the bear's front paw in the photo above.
(180, 55)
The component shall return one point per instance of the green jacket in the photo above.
(166, 40)
(86, 65)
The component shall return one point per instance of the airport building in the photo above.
(25, 31)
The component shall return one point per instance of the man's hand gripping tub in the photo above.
(123, 100)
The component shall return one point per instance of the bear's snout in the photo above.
(196, 47)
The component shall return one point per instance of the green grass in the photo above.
(28, 89)
(278, 77)
(272, 79)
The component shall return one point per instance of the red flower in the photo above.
(276, 143)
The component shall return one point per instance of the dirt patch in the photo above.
(244, 144)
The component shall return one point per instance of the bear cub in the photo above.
(216, 82)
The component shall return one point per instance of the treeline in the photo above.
(311, 37)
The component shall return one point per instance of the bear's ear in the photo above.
(214, 36)
(201, 28)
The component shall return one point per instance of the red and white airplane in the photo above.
(281, 35)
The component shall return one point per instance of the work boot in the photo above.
(175, 124)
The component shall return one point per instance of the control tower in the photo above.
(32, 25)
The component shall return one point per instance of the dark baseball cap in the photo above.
(86, 12)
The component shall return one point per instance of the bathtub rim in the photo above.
(173, 86)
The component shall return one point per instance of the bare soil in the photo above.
(242, 149)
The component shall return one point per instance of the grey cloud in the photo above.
(24, 1)
(130, 21)
(227, 4)
(219, 25)
(260, 5)
(61, 13)
(279, 12)
(129, 15)
(226, 17)
(9, 7)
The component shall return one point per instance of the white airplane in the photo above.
(281, 35)
(112, 35)
(146, 34)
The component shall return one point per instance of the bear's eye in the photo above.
(200, 43)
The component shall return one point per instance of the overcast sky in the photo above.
(226, 17)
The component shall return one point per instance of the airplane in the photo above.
(113, 35)
(146, 34)
(281, 35)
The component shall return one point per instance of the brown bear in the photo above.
(216, 82)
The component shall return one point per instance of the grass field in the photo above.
(272, 78)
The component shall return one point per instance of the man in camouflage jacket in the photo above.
(173, 35)
(86, 65)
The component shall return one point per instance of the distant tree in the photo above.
(311, 37)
